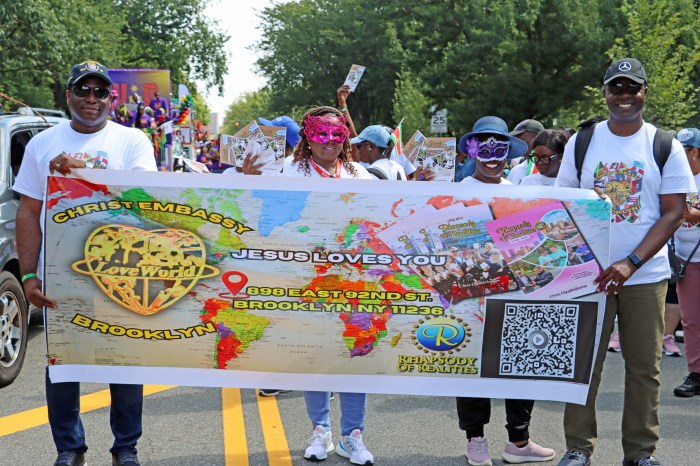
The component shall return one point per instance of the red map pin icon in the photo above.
(234, 281)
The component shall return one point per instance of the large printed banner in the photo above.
(145, 82)
(347, 285)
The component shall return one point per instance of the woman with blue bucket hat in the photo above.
(490, 145)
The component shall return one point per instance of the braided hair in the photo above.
(302, 152)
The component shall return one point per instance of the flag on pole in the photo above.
(396, 136)
(531, 167)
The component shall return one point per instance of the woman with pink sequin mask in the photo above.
(324, 149)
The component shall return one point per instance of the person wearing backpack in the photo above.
(374, 146)
(648, 200)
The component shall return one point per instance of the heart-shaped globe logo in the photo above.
(141, 270)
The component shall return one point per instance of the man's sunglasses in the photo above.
(99, 92)
(618, 88)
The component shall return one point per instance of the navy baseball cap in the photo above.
(494, 125)
(85, 69)
(630, 68)
(376, 134)
(293, 128)
(689, 137)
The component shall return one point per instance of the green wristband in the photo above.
(28, 276)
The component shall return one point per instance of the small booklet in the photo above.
(267, 141)
(354, 76)
(436, 153)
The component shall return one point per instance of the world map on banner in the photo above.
(303, 282)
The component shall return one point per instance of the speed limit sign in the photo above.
(438, 122)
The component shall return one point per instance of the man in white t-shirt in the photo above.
(89, 140)
(647, 207)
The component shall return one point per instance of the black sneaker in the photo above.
(271, 391)
(690, 387)
(125, 458)
(70, 458)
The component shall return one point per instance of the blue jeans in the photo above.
(352, 410)
(63, 400)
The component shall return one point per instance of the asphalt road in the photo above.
(191, 426)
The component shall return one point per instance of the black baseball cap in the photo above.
(527, 125)
(85, 69)
(626, 68)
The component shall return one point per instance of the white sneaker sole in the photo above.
(525, 459)
(340, 451)
(329, 449)
(483, 463)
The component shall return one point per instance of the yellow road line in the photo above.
(39, 416)
(235, 442)
(273, 432)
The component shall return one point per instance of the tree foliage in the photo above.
(42, 39)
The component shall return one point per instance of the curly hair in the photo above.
(302, 152)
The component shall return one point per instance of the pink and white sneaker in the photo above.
(478, 452)
(614, 345)
(670, 347)
(528, 454)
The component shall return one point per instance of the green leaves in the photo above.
(42, 39)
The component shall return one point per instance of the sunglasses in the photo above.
(619, 88)
(84, 91)
(545, 159)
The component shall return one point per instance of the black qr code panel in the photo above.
(539, 340)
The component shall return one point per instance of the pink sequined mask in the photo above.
(325, 128)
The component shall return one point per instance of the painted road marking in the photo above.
(273, 432)
(39, 416)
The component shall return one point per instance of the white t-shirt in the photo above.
(402, 160)
(114, 147)
(471, 179)
(518, 172)
(688, 234)
(537, 179)
(625, 169)
(392, 170)
(292, 169)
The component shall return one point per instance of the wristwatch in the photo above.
(635, 260)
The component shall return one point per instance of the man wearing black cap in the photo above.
(526, 131)
(648, 204)
(89, 140)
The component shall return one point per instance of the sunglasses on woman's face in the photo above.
(84, 91)
(545, 159)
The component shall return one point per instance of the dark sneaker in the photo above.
(70, 458)
(690, 387)
(574, 458)
(648, 461)
(271, 391)
(125, 458)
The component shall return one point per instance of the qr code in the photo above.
(539, 339)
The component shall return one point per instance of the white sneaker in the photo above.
(353, 448)
(319, 445)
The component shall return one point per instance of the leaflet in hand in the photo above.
(268, 142)
(438, 154)
(354, 76)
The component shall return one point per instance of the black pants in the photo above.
(475, 413)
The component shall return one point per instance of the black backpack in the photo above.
(663, 141)
(380, 174)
